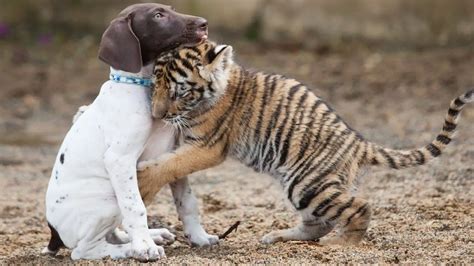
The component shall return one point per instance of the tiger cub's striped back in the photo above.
(278, 126)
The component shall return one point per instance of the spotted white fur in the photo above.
(93, 187)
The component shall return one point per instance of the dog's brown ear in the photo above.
(120, 47)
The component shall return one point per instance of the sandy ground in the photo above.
(422, 215)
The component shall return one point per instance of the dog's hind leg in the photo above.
(55, 243)
(95, 245)
(101, 249)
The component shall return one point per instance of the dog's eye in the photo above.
(158, 15)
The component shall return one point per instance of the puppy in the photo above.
(93, 188)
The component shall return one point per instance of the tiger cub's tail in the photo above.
(397, 159)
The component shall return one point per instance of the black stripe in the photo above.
(362, 210)
(171, 77)
(181, 72)
(191, 83)
(355, 152)
(334, 149)
(211, 55)
(237, 98)
(203, 110)
(453, 112)
(364, 154)
(195, 49)
(420, 159)
(221, 126)
(303, 112)
(306, 164)
(172, 66)
(435, 151)
(262, 107)
(273, 120)
(301, 127)
(210, 87)
(448, 126)
(328, 168)
(219, 137)
(286, 143)
(342, 209)
(375, 161)
(193, 138)
(244, 120)
(336, 120)
(309, 128)
(469, 94)
(187, 64)
(269, 82)
(226, 115)
(322, 162)
(309, 163)
(310, 194)
(443, 139)
(267, 99)
(389, 158)
(326, 117)
(315, 180)
(325, 203)
(458, 102)
(192, 57)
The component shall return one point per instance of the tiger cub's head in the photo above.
(190, 78)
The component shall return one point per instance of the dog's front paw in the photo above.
(147, 250)
(162, 236)
(202, 239)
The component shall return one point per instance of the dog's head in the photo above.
(143, 31)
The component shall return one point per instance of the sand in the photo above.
(420, 215)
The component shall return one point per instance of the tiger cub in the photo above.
(274, 125)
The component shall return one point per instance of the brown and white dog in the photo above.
(93, 187)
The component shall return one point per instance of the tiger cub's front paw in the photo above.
(146, 185)
(144, 165)
(152, 163)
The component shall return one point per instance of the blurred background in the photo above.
(389, 68)
(48, 47)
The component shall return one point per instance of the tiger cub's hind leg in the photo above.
(352, 217)
(328, 207)
(307, 230)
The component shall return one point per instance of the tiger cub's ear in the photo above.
(219, 57)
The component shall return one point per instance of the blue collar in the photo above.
(130, 80)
